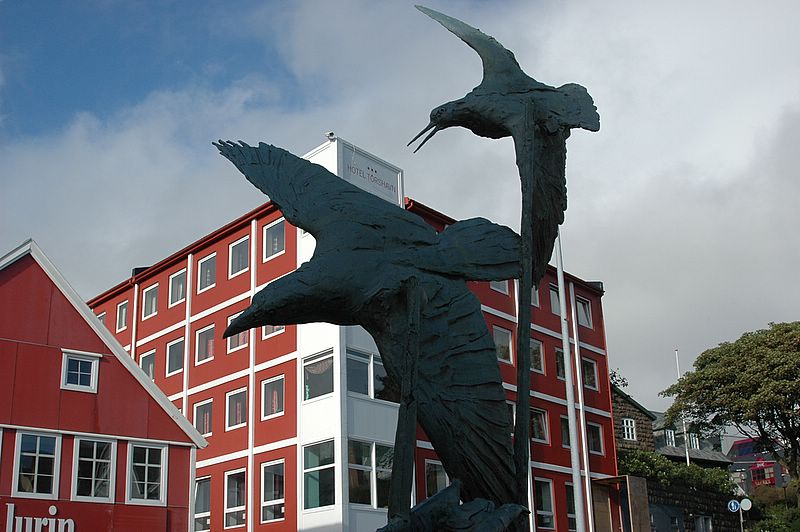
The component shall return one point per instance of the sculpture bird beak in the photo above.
(431, 125)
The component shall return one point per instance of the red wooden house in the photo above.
(87, 441)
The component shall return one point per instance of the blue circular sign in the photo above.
(733, 505)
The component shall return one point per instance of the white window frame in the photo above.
(162, 501)
(424, 473)
(282, 378)
(197, 345)
(56, 466)
(272, 502)
(194, 416)
(102, 318)
(541, 371)
(111, 474)
(495, 329)
(311, 360)
(171, 303)
(144, 301)
(231, 273)
(552, 512)
(669, 437)
(694, 441)
(599, 427)
(561, 420)
(151, 353)
(228, 395)
(317, 468)
(200, 270)
(125, 321)
(535, 296)
(583, 374)
(499, 286)
(201, 515)
(569, 487)
(581, 302)
(228, 339)
(225, 509)
(93, 358)
(265, 335)
(560, 356)
(372, 468)
(264, 230)
(555, 309)
(546, 439)
(167, 372)
(370, 359)
(629, 429)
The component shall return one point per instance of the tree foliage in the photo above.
(659, 468)
(752, 384)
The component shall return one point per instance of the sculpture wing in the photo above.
(498, 62)
(320, 202)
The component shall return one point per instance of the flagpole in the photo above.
(683, 416)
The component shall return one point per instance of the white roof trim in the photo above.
(29, 247)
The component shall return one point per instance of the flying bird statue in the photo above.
(368, 252)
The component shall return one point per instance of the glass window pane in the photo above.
(359, 482)
(205, 344)
(435, 478)
(589, 371)
(560, 371)
(273, 482)
(273, 397)
(358, 374)
(319, 488)
(240, 256)
(208, 273)
(237, 408)
(318, 455)
(318, 378)
(538, 425)
(274, 239)
(384, 479)
(177, 288)
(386, 388)
(202, 501)
(175, 357)
(536, 356)
(502, 342)
(359, 453)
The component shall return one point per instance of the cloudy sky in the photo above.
(685, 204)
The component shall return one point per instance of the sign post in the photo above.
(737, 506)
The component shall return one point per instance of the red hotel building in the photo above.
(299, 420)
(87, 442)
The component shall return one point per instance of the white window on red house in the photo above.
(502, 343)
(543, 500)
(274, 239)
(319, 475)
(235, 499)
(79, 371)
(572, 524)
(272, 397)
(535, 296)
(204, 348)
(272, 491)
(589, 373)
(584, 308)
(271, 330)
(239, 257)
(177, 287)
(564, 431)
(317, 376)
(102, 318)
(237, 341)
(560, 370)
(537, 361)
(594, 436)
(236, 411)
(207, 273)
(435, 478)
(202, 417)
(628, 429)
(175, 353)
(93, 474)
(555, 302)
(122, 316)
(202, 505)
(36, 465)
(146, 473)
(499, 286)
(150, 301)
(538, 426)
(148, 363)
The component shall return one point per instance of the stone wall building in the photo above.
(633, 423)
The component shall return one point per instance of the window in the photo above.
(499, 286)
(367, 376)
(543, 494)
(79, 372)
(150, 301)
(539, 425)
(204, 348)
(670, 437)
(102, 318)
(584, 308)
(589, 373)
(202, 504)
(122, 316)
(555, 302)
(435, 478)
(274, 239)
(207, 273)
(537, 362)
(694, 441)
(535, 296)
(235, 499)
(560, 370)
(236, 411)
(175, 356)
(37, 465)
(318, 475)
(239, 257)
(272, 494)
(317, 376)
(177, 287)
(237, 341)
(148, 364)
(502, 342)
(628, 429)
(572, 524)
(594, 436)
(272, 397)
(93, 474)
(363, 472)
(147, 473)
(564, 431)
(202, 417)
(271, 330)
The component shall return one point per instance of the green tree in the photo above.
(752, 384)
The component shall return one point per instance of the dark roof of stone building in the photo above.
(617, 390)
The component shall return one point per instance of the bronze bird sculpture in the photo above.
(366, 251)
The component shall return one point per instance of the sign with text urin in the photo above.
(360, 168)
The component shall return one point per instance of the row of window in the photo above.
(545, 506)
(503, 343)
(583, 306)
(37, 464)
(238, 263)
(540, 430)
(272, 394)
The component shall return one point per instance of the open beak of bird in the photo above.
(430, 126)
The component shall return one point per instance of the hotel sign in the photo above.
(25, 523)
